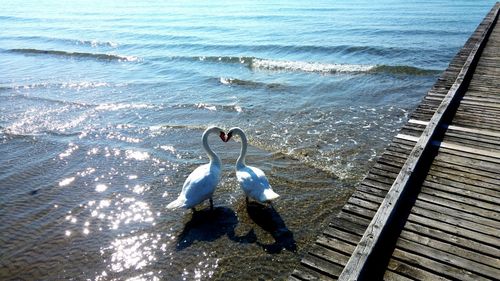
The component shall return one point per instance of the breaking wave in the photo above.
(318, 67)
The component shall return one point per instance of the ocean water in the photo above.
(103, 103)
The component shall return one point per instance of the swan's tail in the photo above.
(177, 203)
(269, 195)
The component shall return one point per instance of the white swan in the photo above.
(252, 180)
(201, 183)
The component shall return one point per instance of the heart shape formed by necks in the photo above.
(223, 136)
(227, 137)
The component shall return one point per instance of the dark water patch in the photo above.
(52, 101)
(414, 32)
(66, 41)
(250, 83)
(77, 55)
(404, 70)
(15, 134)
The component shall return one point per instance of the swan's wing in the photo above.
(252, 180)
(252, 176)
(201, 183)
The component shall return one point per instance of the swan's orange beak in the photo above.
(222, 136)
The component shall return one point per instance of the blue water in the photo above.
(102, 106)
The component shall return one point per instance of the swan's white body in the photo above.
(201, 183)
(252, 180)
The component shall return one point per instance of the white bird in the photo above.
(252, 180)
(201, 183)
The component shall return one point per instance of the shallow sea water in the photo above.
(103, 103)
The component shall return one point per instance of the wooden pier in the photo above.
(429, 209)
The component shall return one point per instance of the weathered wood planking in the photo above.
(451, 232)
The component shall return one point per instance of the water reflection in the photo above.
(270, 220)
(208, 226)
(133, 252)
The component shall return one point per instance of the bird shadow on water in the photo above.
(270, 220)
(209, 225)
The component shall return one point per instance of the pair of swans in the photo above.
(201, 183)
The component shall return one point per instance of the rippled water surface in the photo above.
(103, 103)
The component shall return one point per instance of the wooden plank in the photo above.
(433, 173)
(393, 276)
(354, 218)
(466, 167)
(366, 196)
(491, 160)
(457, 212)
(307, 274)
(454, 146)
(461, 129)
(388, 168)
(342, 235)
(464, 203)
(382, 186)
(475, 193)
(463, 173)
(327, 253)
(348, 226)
(394, 160)
(484, 231)
(492, 264)
(335, 244)
(453, 183)
(293, 278)
(467, 149)
(366, 189)
(323, 266)
(359, 211)
(452, 229)
(428, 265)
(472, 141)
(456, 240)
(412, 271)
(363, 203)
(433, 265)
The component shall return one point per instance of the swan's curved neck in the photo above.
(244, 145)
(211, 154)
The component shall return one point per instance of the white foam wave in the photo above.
(96, 43)
(119, 106)
(206, 106)
(65, 85)
(310, 66)
(225, 81)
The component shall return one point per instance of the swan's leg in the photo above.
(246, 199)
(211, 204)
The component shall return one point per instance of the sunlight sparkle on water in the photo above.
(136, 155)
(134, 252)
(101, 187)
(66, 181)
(139, 189)
(71, 148)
